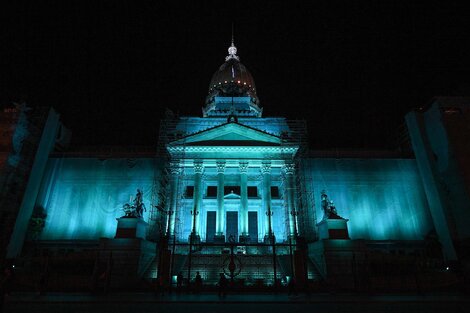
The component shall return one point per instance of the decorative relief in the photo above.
(243, 167)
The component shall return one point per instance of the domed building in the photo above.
(237, 192)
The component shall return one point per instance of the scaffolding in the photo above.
(304, 204)
(160, 213)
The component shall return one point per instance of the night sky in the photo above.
(351, 69)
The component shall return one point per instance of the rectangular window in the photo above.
(252, 192)
(189, 193)
(228, 190)
(212, 191)
(274, 192)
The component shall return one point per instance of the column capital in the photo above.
(266, 167)
(220, 167)
(175, 168)
(198, 166)
(289, 168)
(243, 167)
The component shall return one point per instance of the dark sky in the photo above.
(351, 69)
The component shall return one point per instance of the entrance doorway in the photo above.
(253, 226)
(210, 226)
(232, 226)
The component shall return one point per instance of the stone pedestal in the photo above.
(336, 228)
(131, 227)
(219, 239)
(194, 239)
(269, 239)
(244, 238)
(124, 262)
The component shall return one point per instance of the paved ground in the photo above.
(261, 303)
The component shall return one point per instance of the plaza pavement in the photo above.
(242, 303)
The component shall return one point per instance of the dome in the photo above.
(232, 79)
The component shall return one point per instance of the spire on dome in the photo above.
(232, 50)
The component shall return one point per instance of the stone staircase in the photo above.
(250, 269)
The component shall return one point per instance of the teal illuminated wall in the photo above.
(83, 197)
(382, 198)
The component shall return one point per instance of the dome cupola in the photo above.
(232, 89)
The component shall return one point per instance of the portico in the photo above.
(220, 165)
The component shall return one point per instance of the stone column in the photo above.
(266, 172)
(245, 235)
(198, 170)
(220, 219)
(175, 170)
(289, 169)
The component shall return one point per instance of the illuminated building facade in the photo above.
(234, 176)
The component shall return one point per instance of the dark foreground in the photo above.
(211, 303)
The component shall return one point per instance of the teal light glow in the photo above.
(83, 197)
(383, 199)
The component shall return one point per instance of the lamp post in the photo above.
(194, 213)
(269, 214)
(294, 214)
(272, 241)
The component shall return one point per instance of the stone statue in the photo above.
(128, 210)
(333, 208)
(137, 208)
(324, 204)
(139, 203)
(328, 207)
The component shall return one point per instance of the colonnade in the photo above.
(243, 166)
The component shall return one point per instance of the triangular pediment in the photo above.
(229, 134)
(232, 195)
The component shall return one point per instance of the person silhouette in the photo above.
(179, 282)
(222, 284)
(197, 283)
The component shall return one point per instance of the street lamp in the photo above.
(269, 214)
(294, 214)
(272, 240)
(194, 213)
